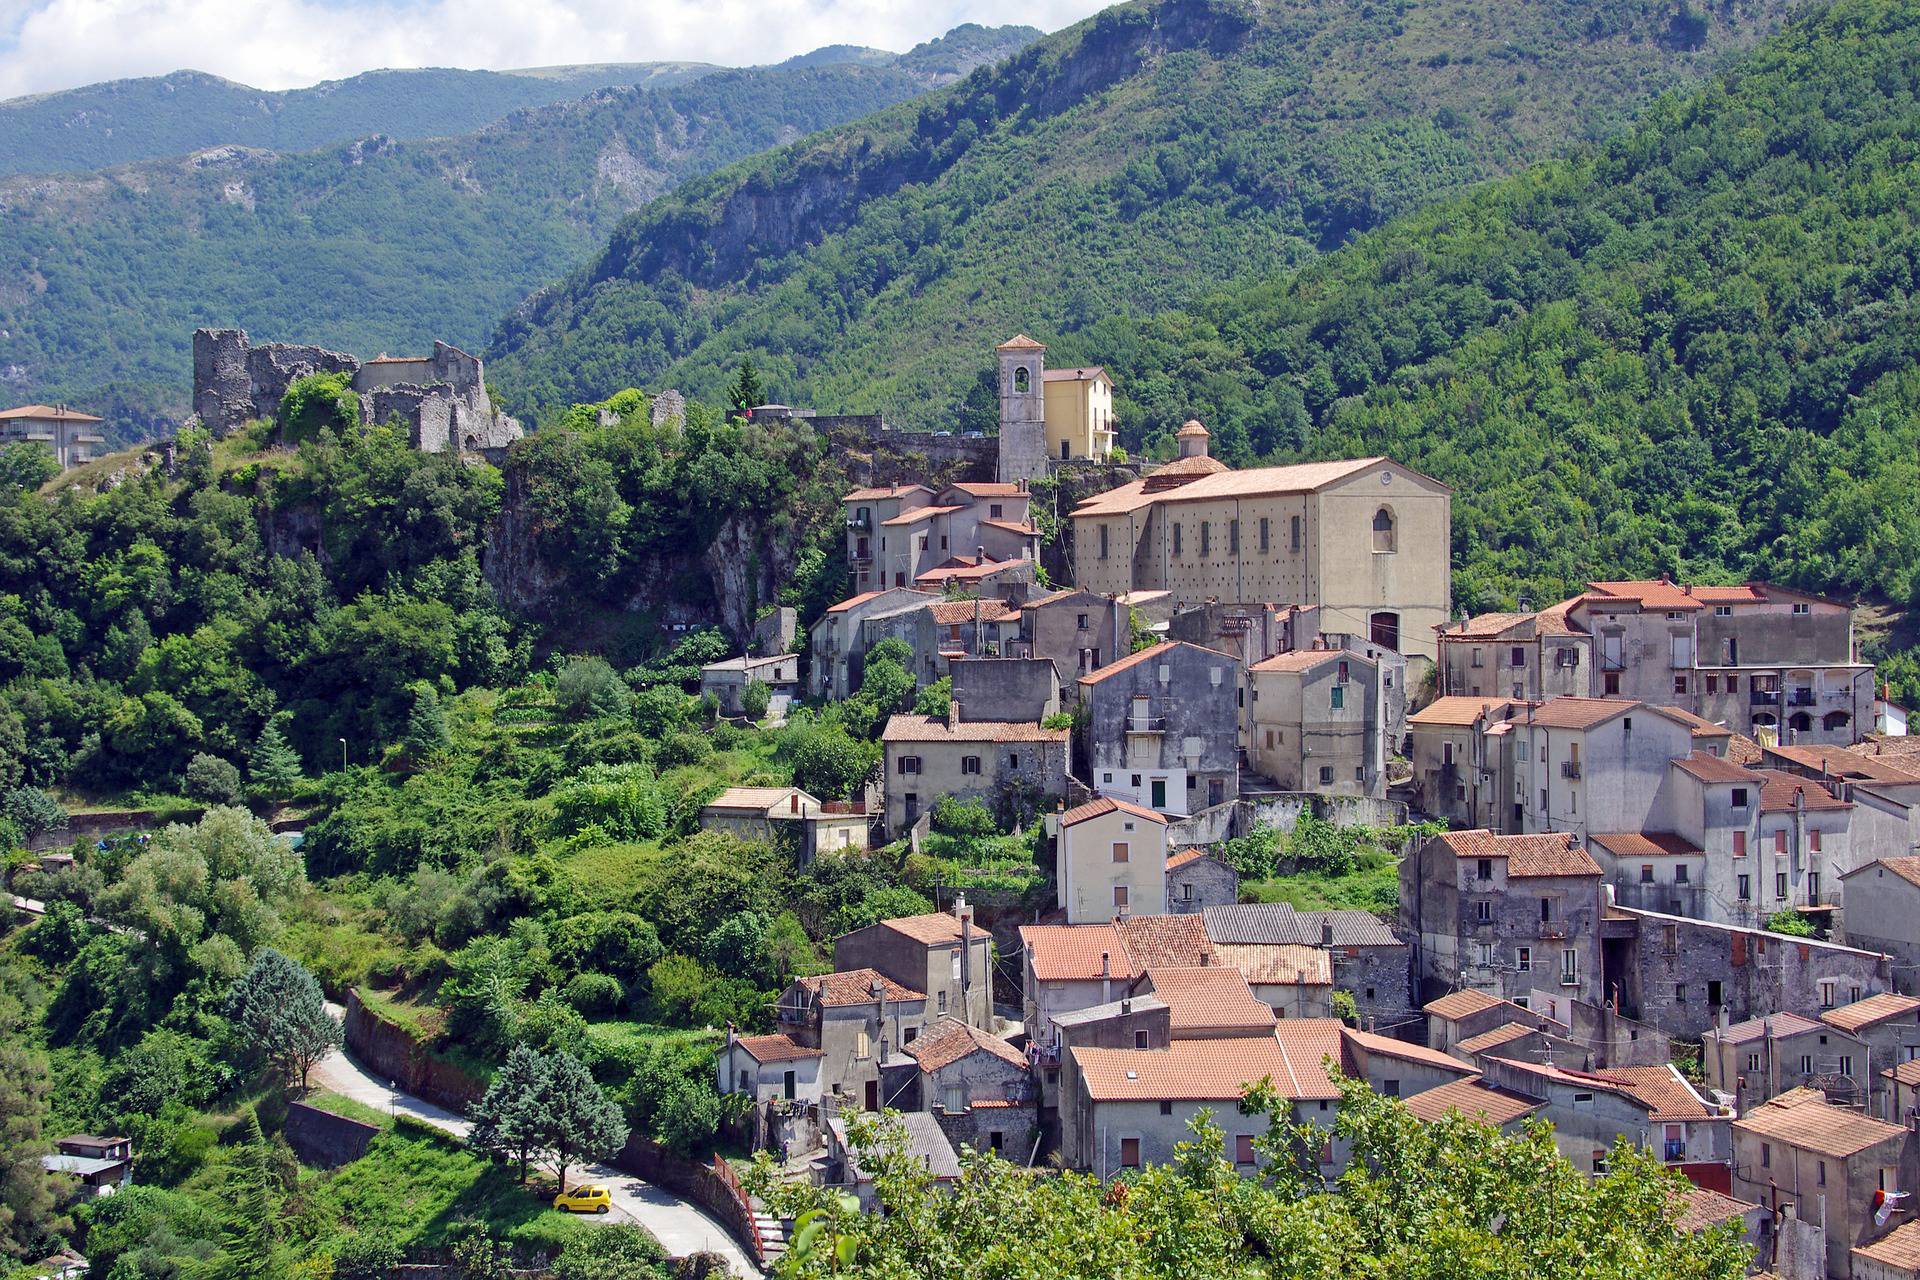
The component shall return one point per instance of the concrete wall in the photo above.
(1883, 914)
(326, 1140)
(1018, 689)
(1189, 737)
(1090, 873)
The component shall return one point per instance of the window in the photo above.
(1129, 1153)
(1483, 911)
(1646, 873)
(1766, 1156)
(1446, 753)
(1483, 869)
(1243, 1148)
(1103, 542)
(1476, 660)
(909, 764)
(1679, 684)
(1813, 841)
(1523, 959)
(1806, 1064)
(1780, 841)
(1390, 1087)
(969, 764)
(1569, 967)
(1326, 775)
(1080, 621)
(994, 511)
(1339, 697)
(1296, 533)
(1119, 851)
(1140, 1039)
(1846, 1064)
(1713, 684)
(1483, 952)
(1599, 1164)
(863, 1048)
(1745, 889)
(1713, 992)
(1820, 1173)
(1166, 1108)
(1826, 993)
(1518, 657)
(1753, 1062)
(1383, 530)
(1233, 537)
(1723, 611)
(1679, 993)
(1739, 844)
(1120, 897)
(943, 1002)
(1013, 760)
(1680, 875)
(1206, 538)
(1780, 884)
(1802, 607)
(1176, 539)
(1263, 534)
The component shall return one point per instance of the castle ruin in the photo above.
(442, 398)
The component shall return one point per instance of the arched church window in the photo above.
(1383, 530)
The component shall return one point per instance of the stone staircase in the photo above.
(772, 1231)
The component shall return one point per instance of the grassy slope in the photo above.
(1122, 166)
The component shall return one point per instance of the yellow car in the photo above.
(588, 1197)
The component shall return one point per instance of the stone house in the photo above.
(1474, 1098)
(1885, 793)
(1197, 880)
(1679, 973)
(1364, 541)
(1529, 657)
(1013, 767)
(764, 813)
(836, 646)
(1762, 1058)
(1111, 861)
(1650, 1107)
(920, 1137)
(942, 954)
(1163, 728)
(895, 533)
(970, 627)
(1592, 764)
(71, 436)
(1883, 912)
(1504, 914)
(1011, 581)
(727, 681)
(1356, 951)
(1077, 631)
(1889, 1024)
(1315, 720)
(1462, 1015)
(1452, 779)
(1130, 1107)
(1824, 1162)
(1900, 1086)
(1524, 1043)
(1397, 1068)
(1004, 688)
(769, 1068)
(1894, 1256)
(862, 1021)
(858, 1019)
(963, 1067)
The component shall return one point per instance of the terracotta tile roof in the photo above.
(1906, 1073)
(1459, 1004)
(967, 569)
(936, 729)
(1306, 477)
(989, 488)
(1663, 1089)
(1293, 1057)
(1549, 853)
(1701, 726)
(1648, 594)
(1453, 711)
(851, 601)
(1473, 1098)
(1812, 1124)
(1645, 844)
(1871, 1012)
(1149, 654)
(1747, 593)
(1899, 1248)
(1701, 1208)
(1778, 790)
(1021, 342)
(1388, 1047)
(1108, 804)
(1278, 964)
(1907, 868)
(933, 928)
(1087, 374)
(1180, 469)
(1505, 1033)
(1554, 620)
(58, 413)
(948, 613)
(1743, 750)
(1845, 763)
(1071, 952)
(1211, 1001)
(1711, 768)
(855, 986)
(948, 1040)
(1194, 854)
(1568, 712)
(1308, 659)
(916, 515)
(776, 1048)
(1173, 941)
(761, 799)
(1774, 1026)
(881, 492)
(1486, 626)
(1024, 530)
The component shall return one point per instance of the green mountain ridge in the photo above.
(1125, 166)
(376, 245)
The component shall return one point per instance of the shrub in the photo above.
(589, 689)
(754, 700)
(213, 780)
(965, 819)
(316, 402)
(683, 749)
(595, 995)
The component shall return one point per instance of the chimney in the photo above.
(1126, 1005)
(1326, 933)
(1106, 977)
(953, 713)
(979, 555)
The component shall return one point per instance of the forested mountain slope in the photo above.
(1126, 165)
(377, 245)
(1695, 349)
(123, 121)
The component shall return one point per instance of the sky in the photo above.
(284, 44)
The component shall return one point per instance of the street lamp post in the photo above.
(343, 755)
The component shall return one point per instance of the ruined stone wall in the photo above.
(235, 381)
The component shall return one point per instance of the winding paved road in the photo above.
(680, 1226)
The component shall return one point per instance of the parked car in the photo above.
(588, 1197)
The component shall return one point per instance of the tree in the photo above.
(576, 1118)
(273, 766)
(249, 1246)
(315, 402)
(507, 1120)
(935, 699)
(284, 1013)
(26, 465)
(427, 735)
(754, 700)
(212, 779)
(746, 392)
(588, 688)
(34, 810)
(827, 760)
(28, 1215)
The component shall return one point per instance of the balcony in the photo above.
(1764, 698)
(1673, 1150)
(1146, 724)
(1553, 930)
(860, 564)
(1570, 769)
(1800, 698)
(860, 520)
(1615, 663)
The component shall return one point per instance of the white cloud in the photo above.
(280, 44)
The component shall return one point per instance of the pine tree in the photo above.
(746, 391)
(284, 1013)
(273, 767)
(576, 1118)
(507, 1120)
(248, 1249)
(426, 724)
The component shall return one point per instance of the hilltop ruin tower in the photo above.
(1023, 409)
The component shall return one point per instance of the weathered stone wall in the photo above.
(235, 381)
(876, 454)
(324, 1139)
(390, 1050)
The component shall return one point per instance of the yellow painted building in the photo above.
(1049, 415)
(1365, 540)
(1079, 413)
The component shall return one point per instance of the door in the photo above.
(873, 1095)
(787, 1086)
(1159, 793)
(1384, 630)
(1216, 792)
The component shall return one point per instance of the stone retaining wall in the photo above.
(324, 1139)
(390, 1050)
